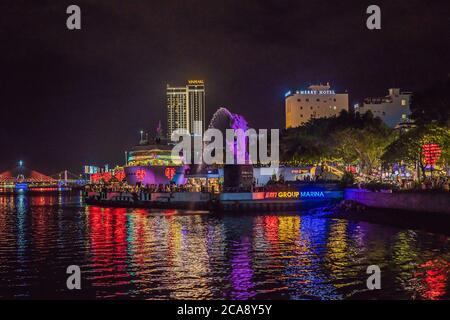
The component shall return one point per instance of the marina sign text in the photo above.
(294, 194)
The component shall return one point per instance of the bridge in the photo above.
(68, 178)
(27, 177)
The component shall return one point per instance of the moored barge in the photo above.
(223, 202)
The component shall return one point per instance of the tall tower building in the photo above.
(186, 107)
(177, 110)
(196, 106)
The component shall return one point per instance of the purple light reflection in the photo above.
(241, 271)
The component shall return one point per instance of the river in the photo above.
(169, 254)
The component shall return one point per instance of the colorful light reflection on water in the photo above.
(150, 254)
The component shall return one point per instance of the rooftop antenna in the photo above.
(159, 132)
(141, 142)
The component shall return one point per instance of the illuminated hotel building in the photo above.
(393, 109)
(177, 110)
(318, 101)
(186, 107)
(196, 105)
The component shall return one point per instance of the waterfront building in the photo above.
(196, 106)
(318, 101)
(152, 162)
(393, 109)
(177, 110)
(186, 107)
(90, 169)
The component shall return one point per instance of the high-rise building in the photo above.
(393, 109)
(318, 101)
(186, 107)
(177, 110)
(196, 106)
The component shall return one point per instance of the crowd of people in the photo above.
(436, 183)
(429, 183)
(150, 188)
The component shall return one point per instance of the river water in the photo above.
(169, 254)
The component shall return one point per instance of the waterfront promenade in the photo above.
(418, 201)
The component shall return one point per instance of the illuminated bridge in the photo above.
(22, 179)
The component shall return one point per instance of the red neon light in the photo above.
(120, 175)
(431, 152)
(96, 177)
(169, 173)
(44, 189)
(271, 195)
(140, 174)
(351, 169)
(107, 176)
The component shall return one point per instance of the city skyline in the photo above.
(80, 97)
(225, 159)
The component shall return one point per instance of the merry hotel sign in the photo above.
(317, 92)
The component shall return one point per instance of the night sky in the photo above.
(70, 98)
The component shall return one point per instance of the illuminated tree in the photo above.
(364, 147)
(408, 148)
(350, 138)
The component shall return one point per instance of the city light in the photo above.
(234, 152)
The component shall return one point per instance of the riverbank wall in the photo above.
(408, 201)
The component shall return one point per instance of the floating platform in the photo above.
(33, 190)
(223, 202)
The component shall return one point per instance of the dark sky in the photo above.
(70, 98)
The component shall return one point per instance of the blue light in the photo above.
(312, 194)
(288, 93)
(21, 187)
(315, 194)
